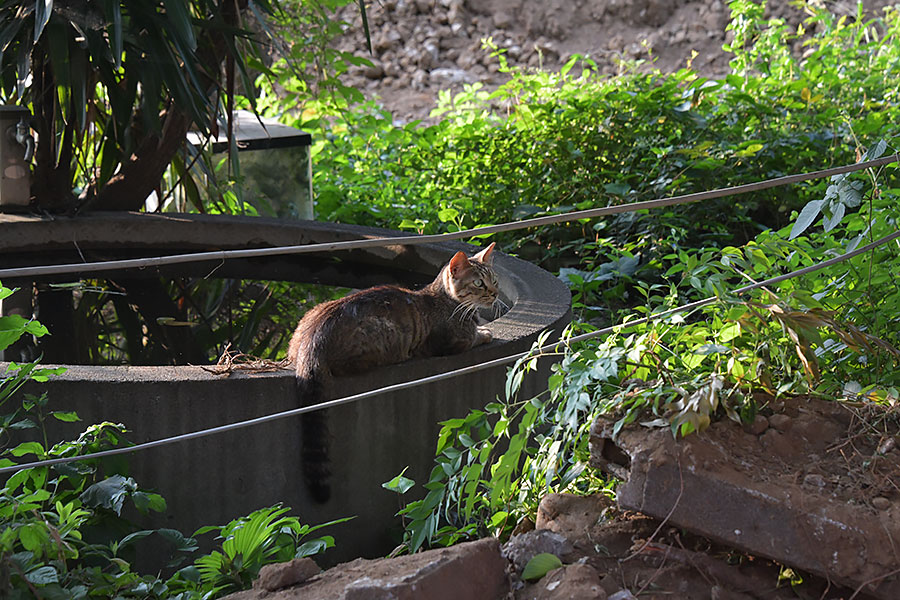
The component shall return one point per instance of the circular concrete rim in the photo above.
(538, 300)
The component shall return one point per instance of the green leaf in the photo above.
(729, 332)
(42, 576)
(32, 535)
(65, 417)
(829, 223)
(11, 329)
(146, 502)
(399, 484)
(109, 493)
(313, 547)
(447, 214)
(875, 151)
(179, 17)
(806, 217)
(28, 448)
(540, 565)
(42, 11)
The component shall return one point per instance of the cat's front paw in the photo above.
(483, 335)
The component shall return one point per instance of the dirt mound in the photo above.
(423, 46)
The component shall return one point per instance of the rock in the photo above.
(280, 575)
(623, 595)
(780, 422)
(445, 76)
(522, 548)
(570, 515)
(375, 71)
(382, 43)
(814, 479)
(574, 581)
(472, 570)
(759, 425)
(456, 11)
(467, 60)
(881, 503)
(503, 20)
(523, 526)
(429, 57)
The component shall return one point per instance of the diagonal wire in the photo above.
(222, 255)
(549, 348)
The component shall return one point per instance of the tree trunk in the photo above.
(140, 174)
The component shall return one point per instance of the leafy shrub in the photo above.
(832, 332)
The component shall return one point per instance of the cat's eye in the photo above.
(478, 283)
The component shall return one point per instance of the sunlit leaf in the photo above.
(806, 217)
(540, 565)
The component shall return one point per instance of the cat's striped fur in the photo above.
(381, 326)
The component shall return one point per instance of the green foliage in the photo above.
(832, 332)
(265, 536)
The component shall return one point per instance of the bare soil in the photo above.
(423, 46)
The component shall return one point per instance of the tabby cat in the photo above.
(381, 326)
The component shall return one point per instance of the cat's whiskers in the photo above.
(499, 305)
(460, 308)
(469, 311)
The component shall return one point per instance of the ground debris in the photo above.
(231, 361)
(813, 491)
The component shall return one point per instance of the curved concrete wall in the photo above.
(215, 479)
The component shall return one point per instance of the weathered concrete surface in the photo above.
(772, 495)
(470, 571)
(219, 478)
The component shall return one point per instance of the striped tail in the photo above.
(315, 437)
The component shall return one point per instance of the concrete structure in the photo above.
(215, 479)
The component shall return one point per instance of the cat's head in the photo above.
(472, 281)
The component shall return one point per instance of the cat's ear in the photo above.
(486, 255)
(459, 264)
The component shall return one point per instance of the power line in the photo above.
(447, 375)
(222, 255)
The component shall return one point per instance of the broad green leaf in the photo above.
(109, 493)
(11, 329)
(729, 332)
(66, 417)
(829, 223)
(447, 214)
(540, 565)
(876, 151)
(399, 484)
(806, 217)
(32, 535)
(28, 448)
(42, 576)
(145, 502)
(313, 547)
